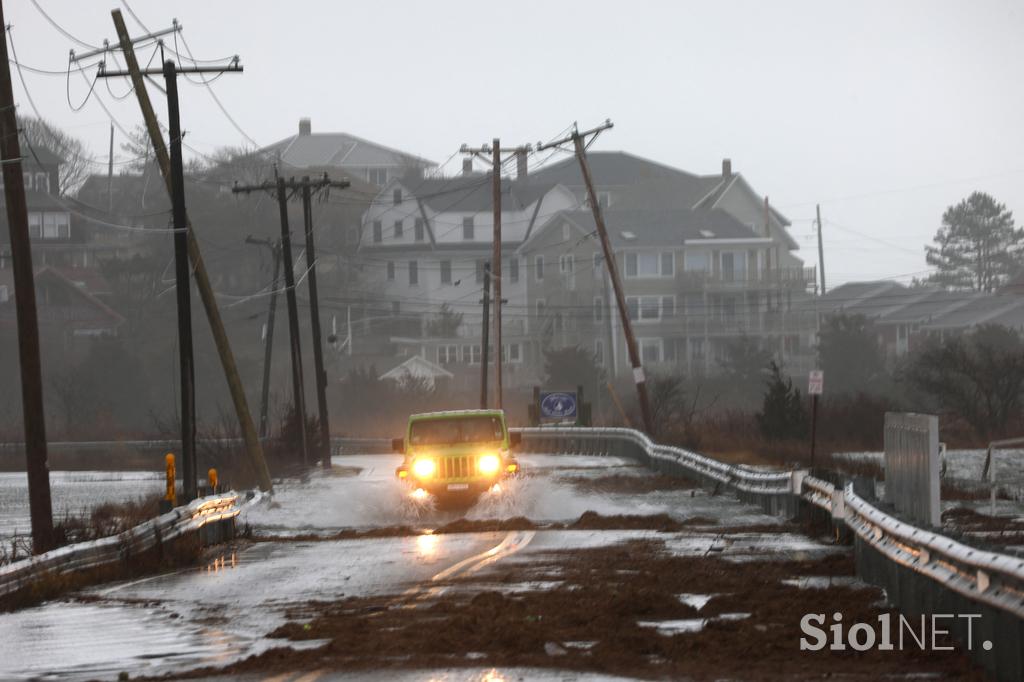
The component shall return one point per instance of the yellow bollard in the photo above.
(211, 478)
(172, 493)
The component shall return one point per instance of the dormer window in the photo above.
(397, 196)
(42, 182)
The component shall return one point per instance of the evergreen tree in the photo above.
(782, 416)
(977, 247)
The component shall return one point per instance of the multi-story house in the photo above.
(694, 281)
(423, 248)
(354, 157)
(49, 220)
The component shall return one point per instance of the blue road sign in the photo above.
(559, 405)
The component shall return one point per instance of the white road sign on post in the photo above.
(815, 382)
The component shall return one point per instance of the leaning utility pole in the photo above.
(281, 187)
(639, 378)
(298, 386)
(495, 151)
(254, 449)
(183, 286)
(485, 338)
(318, 353)
(268, 343)
(821, 252)
(40, 505)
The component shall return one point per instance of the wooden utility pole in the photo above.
(821, 252)
(37, 467)
(485, 340)
(495, 150)
(268, 343)
(254, 449)
(496, 266)
(298, 384)
(110, 172)
(318, 353)
(183, 287)
(281, 187)
(639, 378)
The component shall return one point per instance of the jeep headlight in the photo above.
(489, 464)
(424, 467)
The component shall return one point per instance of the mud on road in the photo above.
(634, 608)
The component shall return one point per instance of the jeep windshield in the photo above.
(481, 429)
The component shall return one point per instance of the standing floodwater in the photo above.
(74, 493)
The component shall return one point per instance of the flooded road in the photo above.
(223, 611)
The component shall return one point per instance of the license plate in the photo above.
(458, 486)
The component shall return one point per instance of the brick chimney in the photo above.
(726, 169)
(305, 126)
(521, 169)
(467, 166)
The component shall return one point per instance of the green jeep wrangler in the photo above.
(456, 454)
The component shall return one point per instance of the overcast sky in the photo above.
(883, 112)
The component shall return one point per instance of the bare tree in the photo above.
(39, 133)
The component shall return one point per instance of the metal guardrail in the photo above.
(996, 580)
(95, 554)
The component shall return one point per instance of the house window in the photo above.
(599, 351)
(645, 308)
(447, 355)
(399, 229)
(35, 225)
(467, 228)
(540, 308)
(668, 306)
(696, 261)
(390, 270)
(396, 196)
(377, 176)
(378, 232)
(598, 265)
(43, 182)
(418, 229)
(728, 267)
(474, 354)
(566, 267)
(598, 309)
(651, 350)
(27, 178)
(668, 264)
(538, 268)
(510, 352)
(446, 272)
(513, 269)
(648, 264)
(414, 273)
(479, 272)
(604, 199)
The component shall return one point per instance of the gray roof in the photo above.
(340, 150)
(612, 169)
(891, 303)
(661, 227)
(473, 193)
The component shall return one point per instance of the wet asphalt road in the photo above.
(222, 611)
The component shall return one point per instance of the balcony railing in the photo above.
(786, 278)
